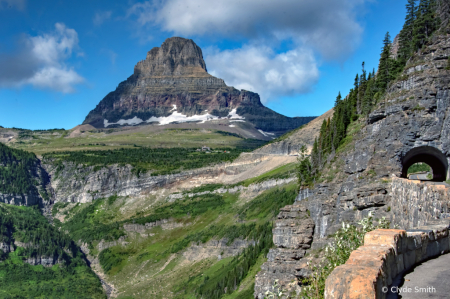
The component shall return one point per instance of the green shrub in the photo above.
(109, 259)
(267, 204)
(418, 167)
(227, 279)
(58, 206)
(19, 172)
(85, 226)
(196, 206)
(347, 239)
(112, 199)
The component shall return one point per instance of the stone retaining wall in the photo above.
(415, 203)
(386, 253)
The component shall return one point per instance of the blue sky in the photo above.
(58, 59)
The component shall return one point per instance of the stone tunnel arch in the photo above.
(429, 155)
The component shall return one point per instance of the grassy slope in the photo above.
(41, 142)
(282, 172)
(157, 267)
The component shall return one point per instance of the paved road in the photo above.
(419, 176)
(429, 280)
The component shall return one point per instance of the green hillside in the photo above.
(70, 278)
(20, 173)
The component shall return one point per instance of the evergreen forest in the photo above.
(20, 173)
(158, 160)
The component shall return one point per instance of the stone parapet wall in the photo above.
(386, 253)
(414, 203)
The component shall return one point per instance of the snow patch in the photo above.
(233, 115)
(133, 121)
(176, 117)
(266, 133)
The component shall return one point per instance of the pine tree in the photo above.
(315, 156)
(424, 24)
(368, 96)
(407, 33)
(385, 66)
(361, 89)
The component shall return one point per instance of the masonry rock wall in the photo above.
(385, 254)
(414, 204)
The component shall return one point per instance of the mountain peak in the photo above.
(177, 56)
(172, 86)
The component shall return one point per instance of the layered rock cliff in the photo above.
(172, 85)
(78, 183)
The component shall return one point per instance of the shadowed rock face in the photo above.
(173, 79)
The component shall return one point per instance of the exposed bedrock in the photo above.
(413, 125)
(78, 183)
(292, 234)
(46, 261)
(21, 199)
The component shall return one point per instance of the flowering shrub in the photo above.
(346, 239)
(276, 291)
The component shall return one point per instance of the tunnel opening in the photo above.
(428, 155)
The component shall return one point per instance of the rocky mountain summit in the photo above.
(172, 85)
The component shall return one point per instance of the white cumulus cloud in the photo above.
(59, 79)
(260, 70)
(329, 26)
(41, 61)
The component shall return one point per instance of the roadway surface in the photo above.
(419, 176)
(427, 280)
